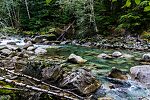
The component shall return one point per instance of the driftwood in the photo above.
(62, 91)
(65, 32)
(36, 88)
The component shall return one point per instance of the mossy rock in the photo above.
(145, 35)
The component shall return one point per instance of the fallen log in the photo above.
(63, 95)
(44, 83)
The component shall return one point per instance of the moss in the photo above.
(146, 35)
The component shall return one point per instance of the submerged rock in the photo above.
(141, 73)
(82, 80)
(76, 59)
(116, 54)
(127, 56)
(104, 56)
(146, 57)
(40, 51)
(118, 74)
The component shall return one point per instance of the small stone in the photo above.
(31, 48)
(116, 54)
(104, 56)
(146, 57)
(40, 51)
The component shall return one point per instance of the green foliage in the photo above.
(9, 30)
(137, 1)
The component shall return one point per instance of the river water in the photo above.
(130, 90)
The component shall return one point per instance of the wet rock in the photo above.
(52, 73)
(40, 51)
(12, 47)
(3, 47)
(11, 43)
(116, 54)
(76, 59)
(141, 73)
(6, 51)
(82, 80)
(3, 37)
(118, 74)
(30, 52)
(28, 44)
(31, 48)
(146, 57)
(104, 56)
(86, 44)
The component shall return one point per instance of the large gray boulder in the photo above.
(146, 57)
(83, 80)
(76, 59)
(40, 51)
(141, 73)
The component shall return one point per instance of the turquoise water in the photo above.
(101, 67)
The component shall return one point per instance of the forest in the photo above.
(74, 50)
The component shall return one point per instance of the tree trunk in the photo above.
(27, 8)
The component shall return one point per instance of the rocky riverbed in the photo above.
(76, 66)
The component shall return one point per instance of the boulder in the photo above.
(104, 56)
(40, 51)
(76, 59)
(31, 48)
(141, 73)
(146, 57)
(28, 44)
(12, 47)
(116, 54)
(118, 74)
(52, 73)
(82, 80)
(6, 51)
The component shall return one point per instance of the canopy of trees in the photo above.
(90, 16)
